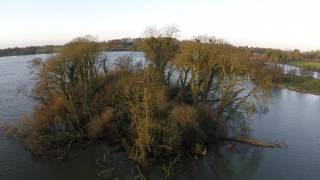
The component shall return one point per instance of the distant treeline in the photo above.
(30, 50)
(283, 56)
(266, 54)
(125, 44)
(131, 44)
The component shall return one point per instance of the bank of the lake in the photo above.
(300, 84)
(307, 64)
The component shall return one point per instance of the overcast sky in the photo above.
(285, 24)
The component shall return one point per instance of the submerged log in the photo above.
(253, 142)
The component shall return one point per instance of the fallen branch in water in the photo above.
(253, 142)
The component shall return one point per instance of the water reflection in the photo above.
(240, 164)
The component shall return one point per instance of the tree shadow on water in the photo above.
(241, 162)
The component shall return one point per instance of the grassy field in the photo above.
(310, 65)
(301, 84)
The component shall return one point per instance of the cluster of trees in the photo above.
(282, 56)
(125, 44)
(29, 50)
(189, 94)
(275, 55)
(311, 55)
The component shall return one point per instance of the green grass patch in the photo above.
(310, 65)
(302, 84)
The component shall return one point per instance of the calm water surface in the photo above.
(292, 117)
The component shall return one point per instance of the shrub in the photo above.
(100, 124)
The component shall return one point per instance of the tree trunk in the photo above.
(252, 142)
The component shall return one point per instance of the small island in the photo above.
(187, 96)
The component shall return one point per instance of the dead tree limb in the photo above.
(252, 141)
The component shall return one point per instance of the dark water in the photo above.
(292, 117)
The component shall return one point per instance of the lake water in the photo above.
(292, 117)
